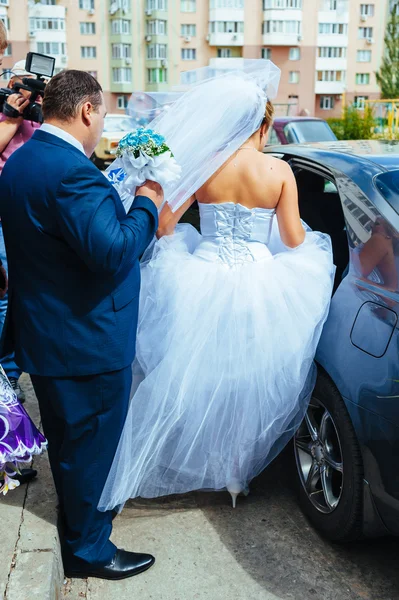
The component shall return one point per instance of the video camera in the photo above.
(43, 67)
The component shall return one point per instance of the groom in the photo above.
(74, 275)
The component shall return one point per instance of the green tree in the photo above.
(355, 124)
(388, 75)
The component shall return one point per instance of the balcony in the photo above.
(155, 14)
(227, 63)
(119, 9)
(281, 39)
(331, 64)
(282, 15)
(43, 11)
(333, 16)
(226, 14)
(156, 63)
(333, 40)
(226, 39)
(330, 87)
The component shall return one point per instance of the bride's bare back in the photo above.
(249, 177)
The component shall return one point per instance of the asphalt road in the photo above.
(263, 550)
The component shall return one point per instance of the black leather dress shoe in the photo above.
(25, 477)
(123, 565)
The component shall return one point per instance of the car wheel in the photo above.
(329, 465)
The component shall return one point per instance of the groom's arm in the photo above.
(86, 213)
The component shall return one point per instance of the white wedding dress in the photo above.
(228, 328)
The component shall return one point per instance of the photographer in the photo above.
(8, 131)
(14, 132)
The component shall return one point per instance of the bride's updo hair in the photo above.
(269, 114)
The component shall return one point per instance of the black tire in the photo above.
(344, 522)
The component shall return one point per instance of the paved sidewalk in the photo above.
(30, 565)
(262, 550)
(205, 550)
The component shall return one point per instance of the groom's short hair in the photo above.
(67, 92)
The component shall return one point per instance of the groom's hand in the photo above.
(153, 191)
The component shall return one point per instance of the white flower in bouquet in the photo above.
(142, 155)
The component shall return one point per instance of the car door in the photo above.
(359, 344)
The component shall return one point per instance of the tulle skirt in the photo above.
(19, 438)
(224, 368)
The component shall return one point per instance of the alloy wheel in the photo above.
(319, 458)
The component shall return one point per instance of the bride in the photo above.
(230, 318)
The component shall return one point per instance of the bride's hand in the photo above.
(153, 191)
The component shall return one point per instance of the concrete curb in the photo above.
(36, 567)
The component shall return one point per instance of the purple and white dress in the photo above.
(19, 438)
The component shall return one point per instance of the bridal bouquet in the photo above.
(142, 155)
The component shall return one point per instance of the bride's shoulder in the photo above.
(279, 166)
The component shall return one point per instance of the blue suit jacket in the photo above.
(73, 259)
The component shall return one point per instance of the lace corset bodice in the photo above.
(233, 233)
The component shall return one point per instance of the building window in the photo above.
(48, 2)
(363, 56)
(157, 75)
(190, 30)
(226, 27)
(119, 5)
(188, 5)
(157, 51)
(333, 28)
(188, 77)
(365, 32)
(330, 76)
(87, 4)
(293, 77)
(161, 5)
(266, 53)
(227, 4)
(8, 50)
(87, 28)
(47, 24)
(157, 27)
(121, 51)
(188, 54)
(122, 102)
(326, 102)
(360, 101)
(362, 78)
(282, 4)
(122, 75)
(88, 52)
(224, 52)
(332, 4)
(52, 48)
(93, 74)
(120, 26)
(293, 27)
(294, 54)
(331, 52)
(367, 10)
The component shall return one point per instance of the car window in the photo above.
(299, 132)
(112, 124)
(273, 138)
(330, 187)
(388, 186)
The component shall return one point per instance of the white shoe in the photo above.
(234, 488)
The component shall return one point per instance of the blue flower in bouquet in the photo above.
(142, 141)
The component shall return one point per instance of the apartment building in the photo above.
(328, 50)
